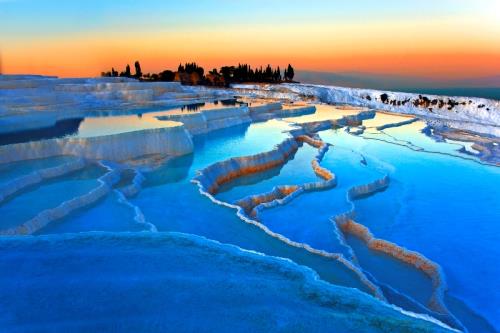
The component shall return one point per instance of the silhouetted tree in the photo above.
(192, 68)
(111, 73)
(384, 98)
(277, 75)
(191, 73)
(167, 76)
(227, 73)
(126, 73)
(290, 73)
(268, 74)
(138, 71)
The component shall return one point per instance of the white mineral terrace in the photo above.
(140, 127)
(475, 114)
(122, 122)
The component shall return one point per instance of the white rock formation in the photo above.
(212, 119)
(173, 140)
(483, 114)
(31, 102)
(38, 176)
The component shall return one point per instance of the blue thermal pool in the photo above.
(387, 211)
(113, 122)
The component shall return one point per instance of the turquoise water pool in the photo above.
(113, 122)
(440, 202)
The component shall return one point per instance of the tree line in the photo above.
(126, 73)
(191, 73)
(245, 73)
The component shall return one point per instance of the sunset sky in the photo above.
(425, 38)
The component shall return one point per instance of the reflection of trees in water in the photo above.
(233, 102)
(229, 102)
(61, 129)
(192, 107)
(224, 102)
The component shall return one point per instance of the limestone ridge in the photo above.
(19, 184)
(44, 218)
(248, 209)
(209, 179)
(476, 114)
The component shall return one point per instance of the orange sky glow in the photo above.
(435, 47)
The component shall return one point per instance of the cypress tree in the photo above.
(138, 71)
(290, 72)
(127, 71)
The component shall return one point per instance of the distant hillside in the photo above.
(486, 87)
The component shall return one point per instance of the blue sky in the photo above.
(406, 37)
(29, 18)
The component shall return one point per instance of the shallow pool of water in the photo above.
(439, 202)
(111, 122)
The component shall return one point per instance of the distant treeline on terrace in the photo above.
(192, 74)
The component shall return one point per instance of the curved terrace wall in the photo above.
(210, 120)
(459, 109)
(345, 223)
(47, 216)
(135, 186)
(249, 208)
(174, 140)
(210, 178)
(421, 263)
(36, 177)
(281, 195)
(322, 125)
(36, 102)
(250, 203)
(271, 111)
(266, 108)
(219, 173)
(398, 124)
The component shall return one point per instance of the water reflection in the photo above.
(61, 129)
(106, 123)
(177, 169)
(173, 171)
(193, 107)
